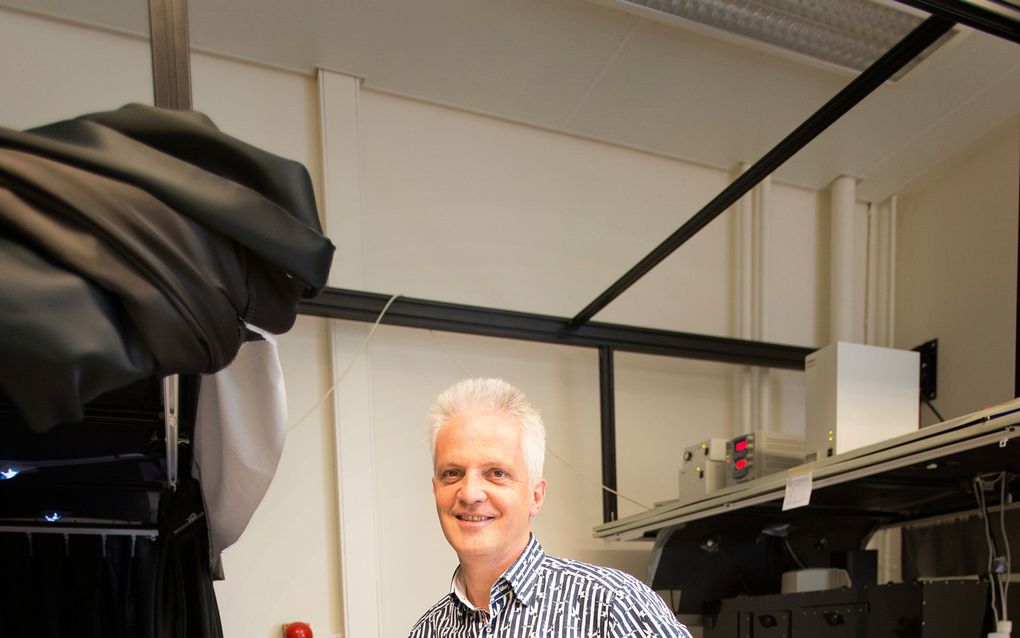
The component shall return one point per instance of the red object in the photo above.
(741, 464)
(741, 445)
(297, 630)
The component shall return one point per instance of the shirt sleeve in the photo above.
(638, 612)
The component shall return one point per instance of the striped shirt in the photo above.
(544, 596)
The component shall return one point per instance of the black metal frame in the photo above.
(983, 18)
(356, 305)
(581, 331)
(607, 411)
(862, 86)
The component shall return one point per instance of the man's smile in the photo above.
(472, 518)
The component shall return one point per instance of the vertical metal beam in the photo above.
(171, 65)
(884, 68)
(607, 406)
(1016, 317)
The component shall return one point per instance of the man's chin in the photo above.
(470, 545)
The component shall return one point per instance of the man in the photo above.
(488, 447)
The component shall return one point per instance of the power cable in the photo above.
(350, 365)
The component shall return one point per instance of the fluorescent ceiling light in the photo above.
(848, 33)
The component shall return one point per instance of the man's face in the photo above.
(483, 496)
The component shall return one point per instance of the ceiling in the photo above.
(592, 69)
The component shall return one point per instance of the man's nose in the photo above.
(472, 489)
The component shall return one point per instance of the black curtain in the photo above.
(79, 585)
(955, 547)
(91, 586)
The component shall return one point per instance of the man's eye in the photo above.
(449, 474)
(499, 474)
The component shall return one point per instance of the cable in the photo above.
(1005, 543)
(350, 365)
(928, 403)
(983, 507)
(596, 481)
(675, 606)
(548, 449)
(442, 345)
(793, 554)
(998, 579)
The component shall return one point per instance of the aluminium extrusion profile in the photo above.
(852, 94)
(996, 424)
(171, 408)
(338, 303)
(171, 64)
(150, 533)
(999, 19)
(607, 413)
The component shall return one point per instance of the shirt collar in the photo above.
(521, 575)
(457, 589)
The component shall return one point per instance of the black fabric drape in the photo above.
(263, 201)
(180, 285)
(137, 243)
(82, 586)
(184, 596)
(63, 339)
(118, 587)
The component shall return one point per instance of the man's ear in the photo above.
(537, 497)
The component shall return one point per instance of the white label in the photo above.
(798, 491)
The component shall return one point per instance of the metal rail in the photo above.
(996, 18)
(171, 65)
(607, 411)
(863, 85)
(998, 424)
(355, 305)
(171, 86)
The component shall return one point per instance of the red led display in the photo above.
(741, 445)
(741, 464)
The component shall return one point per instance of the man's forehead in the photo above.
(469, 459)
(491, 438)
(483, 424)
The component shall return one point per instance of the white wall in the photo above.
(957, 267)
(468, 209)
(54, 71)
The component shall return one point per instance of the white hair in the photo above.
(492, 396)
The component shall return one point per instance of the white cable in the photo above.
(992, 586)
(793, 554)
(1005, 543)
(442, 345)
(596, 481)
(1001, 577)
(547, 448)
(350, 365)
